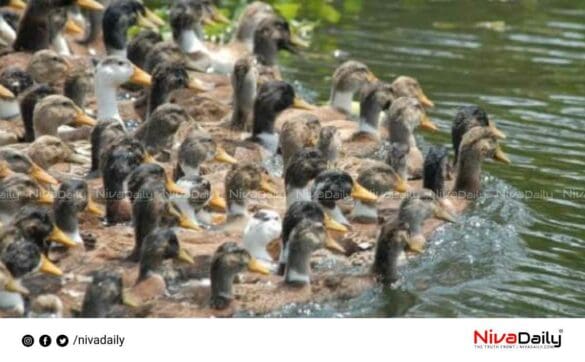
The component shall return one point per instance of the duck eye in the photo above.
(121, 64)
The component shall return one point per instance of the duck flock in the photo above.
(171, 176)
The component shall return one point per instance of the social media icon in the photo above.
(28, 340)
(62, 340)
(45, 340)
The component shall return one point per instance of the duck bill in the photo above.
(257, 267)
(5, 171)
(15, 287)
(6, 93)
(333, 225)
(17, 4)
(90, 4)
(128, 301)
(144, 22)
(300, 103)
(222, 156)
(426, 123)
(217, 202)
(83, 119)
(94, 208)
(155, 19)
(371, 77)
(184, 257)
(218, 17)
(331, 244)
(496, 132)
(148, 158)
(186, 223)
(48, 267)
(173, 188)
(46, 198)
(362, 194)
(266, 186)
(208, 21)
(58, 236)
(425, 101)
(73, 28)
(298, 42)
(500, 156)
(199, 86)
(140, 77)
(42, 176)
(401, 185)
(442, 214)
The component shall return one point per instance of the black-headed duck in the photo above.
(105, 296)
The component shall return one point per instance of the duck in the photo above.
(150, 171)
(59, 24)
(25, 190)
(111, 73)
(103, 134)
(397, 158)
(8, 288)
(152, 208)
(330, 143)
(35, 224)
(46, 306)
(390, 245)
(379, 179)
(244, 80)
(28, 102)
(72, 198)
(477, 144)
(248, 21)
(7, 30)
(437, 170)
(118, 17)
(34, 28)
(307, 210)
(46, 66)
(105, 296)
(47, 151)
(13, 82)
(465, 119)
(406, 114)
(415, 209)
(78, 85)
(196, 148)
(303, 167)
(375, 99)
(55, 111)
(298, 133)
(19, 162)
(264, 227)
(305, 238)
(228, 260)
(242, 179)
(158, 132)
(117, 161)
(159, 245)
(333, 185)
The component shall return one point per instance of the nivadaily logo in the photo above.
(493, 340)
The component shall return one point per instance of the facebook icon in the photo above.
(45, 340)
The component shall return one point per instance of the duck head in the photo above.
(405, 86)
(252, 15)
(271, 35)
(140, 45)
(185, 19)
(20, 162)
(297, 133)
(160, 245)
(47, 151)
(263, 227)
(302, 168)
(273, 98)
(117, 19)
(73, 198)
(477, 144)
(227, 261)
(392, 240)
(158, 131)
(468, 117)
(436, 170)
(46, 66)
(378, 179)
(198, 196)
(23, 191)
(150, 172)
(240, 181)
(306, 237)
(348, 79)
(24, 257)
(197, 148)
(28, 102)
(415, 209)
(78, 84)
(13, 81)
(406, 114)
(375, 98)
(35, 224)
(55, 111)
(334, 185)
(105, 292)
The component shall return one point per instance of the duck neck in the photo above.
(365, 211)
(369, 116)
(298, 265)
(341, 100)
(266, 51)
(401, 133)
(107, 104)
(243, 101)
(221, 286)
(66, 219)
(189, 42)
(263, 129)
(9, 109)
(468, 172)
(60, 45)
(386, 257)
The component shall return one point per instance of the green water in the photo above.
(512, 253)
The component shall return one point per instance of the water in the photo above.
(512, 254)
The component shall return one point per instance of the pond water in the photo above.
(520, 249)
